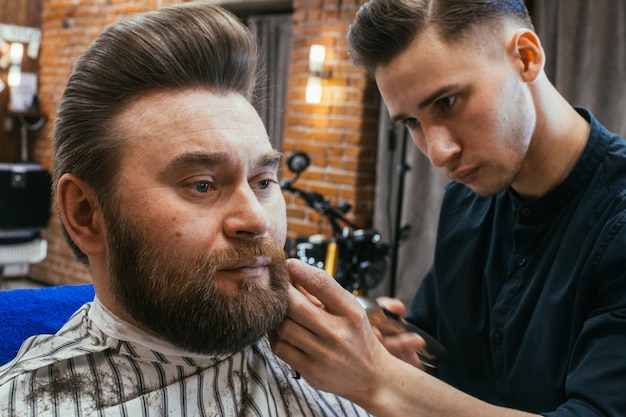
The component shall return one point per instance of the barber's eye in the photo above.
(447, 102)
(410, 122)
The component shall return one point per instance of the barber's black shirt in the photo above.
(529, 298)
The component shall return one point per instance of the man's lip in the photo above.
(464, 176)
(254, 262)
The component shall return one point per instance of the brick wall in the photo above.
(339, 133)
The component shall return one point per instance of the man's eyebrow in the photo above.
(193, 159)
(440, 92)
(434, 96)
(398, 118)
(270, 159)
(184, 161)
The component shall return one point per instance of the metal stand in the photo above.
(28, 123)
(399, 231)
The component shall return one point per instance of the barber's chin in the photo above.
(235, 280)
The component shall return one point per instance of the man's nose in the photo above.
(440, 146)
(247, 218)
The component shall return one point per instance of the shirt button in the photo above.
(521, 261)
(526, 212)
(498, 338)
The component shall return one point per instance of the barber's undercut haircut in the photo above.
(384, 28)
(186, 46)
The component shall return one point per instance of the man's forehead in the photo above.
(181, 108)
(195, 126)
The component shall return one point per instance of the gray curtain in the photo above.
(398, 161)
(273, 33)
(585, 43)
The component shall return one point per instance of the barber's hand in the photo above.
(326, 335)
(401, 345)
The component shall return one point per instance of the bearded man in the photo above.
(167, 188)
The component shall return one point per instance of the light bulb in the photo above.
(16, 53)
(313, 90)
(317, 55)
(15, 76)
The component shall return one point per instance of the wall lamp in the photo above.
(16, 53)
(317, 56)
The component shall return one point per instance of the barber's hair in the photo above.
(187, 46)
(384, 28)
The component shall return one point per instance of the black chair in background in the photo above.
(25, 193)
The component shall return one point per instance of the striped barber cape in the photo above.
(97, 366)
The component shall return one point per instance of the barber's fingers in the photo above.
(333, 318)
(406, 346)
(311, 298)
(293, 340)
(325, 348)
(288, 341)
(392, 304)
(317, 283)
(305, 318)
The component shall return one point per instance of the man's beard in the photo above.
(179, 300)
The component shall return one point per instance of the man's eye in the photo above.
(202, 186)
(265, 184)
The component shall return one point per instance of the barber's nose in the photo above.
(247, 217)
(441, 147)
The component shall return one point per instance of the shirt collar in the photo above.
(143, 343)
(582, 174)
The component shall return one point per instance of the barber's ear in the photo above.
(528, 54)
(81, 214)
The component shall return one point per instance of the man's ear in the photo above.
(81, 214)
(528, 54)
